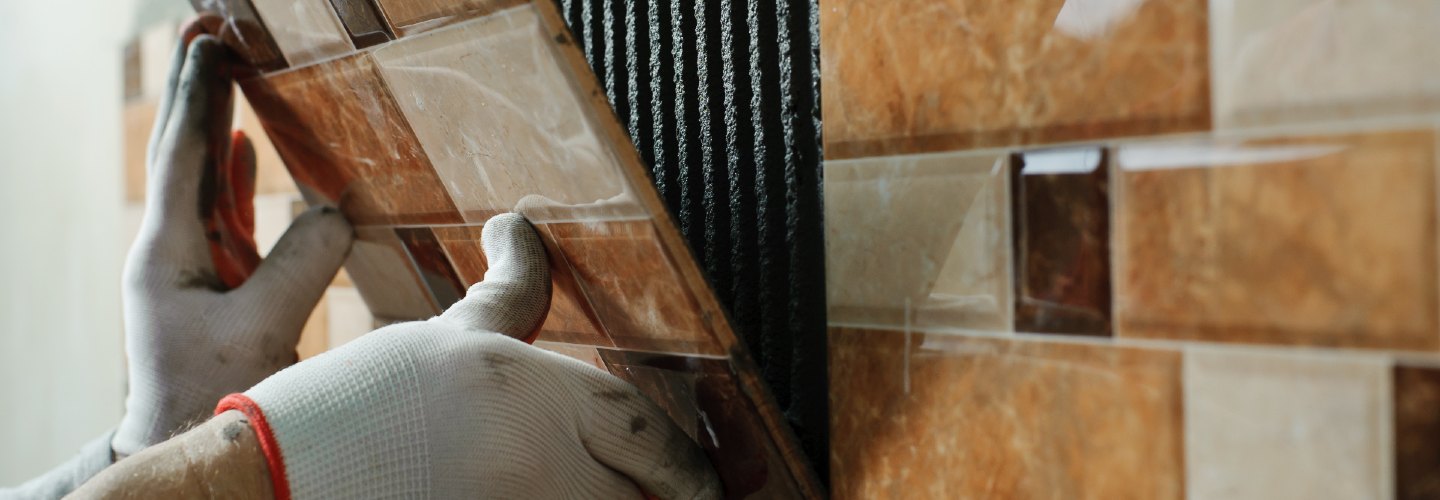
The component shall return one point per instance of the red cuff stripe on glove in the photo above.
(268, 445)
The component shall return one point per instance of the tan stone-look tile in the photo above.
(245, 33)
(1280, 425)
(920, 240)
(1288, 61)
(1324, 240)
(343, 137)
(411, 17)
(940, 416)
(504, 124)
(139, 123)
(306, 31)
(914, 76)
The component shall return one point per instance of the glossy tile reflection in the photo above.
(1417, 432)
(941, 416)
(1266, 426)
(994, 74)
(918, 240)
(432, 265)
(342, 136)
(1061, 210)
(1324, 240)
(305, 31)
(245, 32)
(502, 122)
(409, 17)
(363, 21)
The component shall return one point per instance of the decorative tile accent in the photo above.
(996, 74)
(1417, 432)
(363, 21)
(368, 161)
(1323, 240)
(1062, 241)
(919, 240)
(306, 31)
(1285, 426)
(244, 32)
(501, 120)
(633, 287)
(410, 17)
(381, 270)
(1315, 60)
(432, 265)
(705, 399)
(943, 416)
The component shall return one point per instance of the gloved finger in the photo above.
(291, 280)
(629, 433)
(188, 33)
(233, 220)
(514, 297)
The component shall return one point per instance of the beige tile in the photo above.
(139, 121)
(1300, 60)
(919, 240)
(347, 317)
(503, 123)
(1263, 426)
(305, 30)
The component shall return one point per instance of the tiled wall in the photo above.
(1132, 249)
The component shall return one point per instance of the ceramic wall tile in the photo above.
(343, 138)
(1315, 60)
(1263, 425)
(432, 265)
(305, 31)
(1417, 432)
(570, 320)
(363, 21)
(381, 269)
(991, 74)
(1061, 210)
(583, 353)
(704, 398)
(245, 32)
(633, 287)
(504, 125)
(942, 416)
(1323, 240)
(919, 240)
(347, 316)
(139, 122)
(409, 17)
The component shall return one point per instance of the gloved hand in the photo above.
(455, 407)
(189, 339)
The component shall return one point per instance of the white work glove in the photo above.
(190, 341)
(454, 407)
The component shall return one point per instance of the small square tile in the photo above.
(633, 287)
(306, 31)
(1288, 61)
(342, 136)
(921, 240)
(244, 32)
(1061, 210)
(1325, 240)
(433, 266)
(380, 268)
(916, 415)
(1264, 425)
(410, 17)
(1417, 432)
(363, 21)
(497, 112)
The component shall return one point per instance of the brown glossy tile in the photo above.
(632, 284)
(381, 270)
(306, 31)
(919, 240)
(410, 17)
(1061, 214)
(432, 265)
(515, 133)
(994, 74)
(704, 398)
(1322, 240)
(1266, 425)
(570, 320)
(344, 139)
(363, 21)
(1287, 61)
(139, 116)
(941, 416)
(245, 32)
(1417, 432)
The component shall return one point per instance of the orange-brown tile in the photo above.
(1324, 240)
(1061, 235)
(633, 287)
(409, 17)
(342, 136)
(432, 265)
(305, 31)
(911, 76)
(936, 416)
(245, 32)
(1417, 432)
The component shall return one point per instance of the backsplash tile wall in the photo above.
(1217, 244)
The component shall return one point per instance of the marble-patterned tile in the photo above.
(244, 32)
(381, 270)
(942, 416)
(1417, 432)
(704, 398)
(305, 31)
(998, 74)
(498, 114)
(1288, 61)
(343, 138)
(1320, 240)
(570, 321)
(919, 240)
(363, 21)
(633, 287)
(410, 17)
(1061, 210)
(1267, 425)
(433, 266)
(139, 122)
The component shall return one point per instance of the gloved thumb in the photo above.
(514, 297)
(290, 281)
